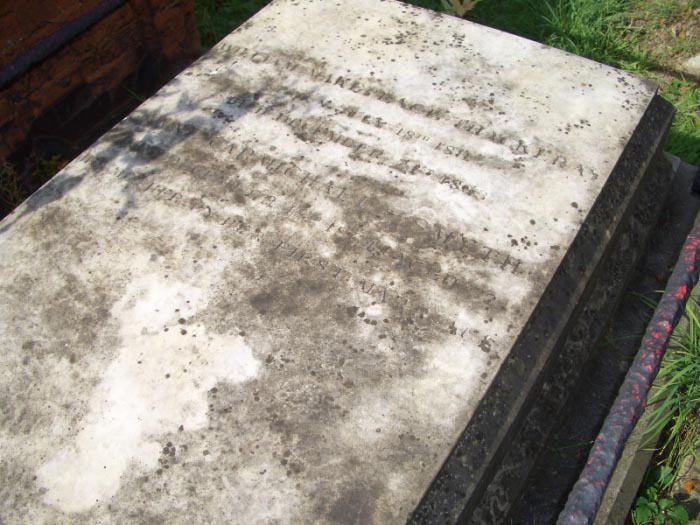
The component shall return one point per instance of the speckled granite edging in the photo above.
(637, 454)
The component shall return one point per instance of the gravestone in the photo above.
(343, 269)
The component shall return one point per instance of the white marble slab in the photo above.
(278, 290)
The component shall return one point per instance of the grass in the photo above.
(678, 412)
(659, 18)
(684, 137)
(675, 418)
(217, 18)
(659, 29)
(592, 29)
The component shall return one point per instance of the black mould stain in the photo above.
(356, 504)
(262, 302)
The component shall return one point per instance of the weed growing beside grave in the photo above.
(676, 416)
(651, 507)
(679, 394)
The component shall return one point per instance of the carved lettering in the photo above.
(513, 263)
(559, 160)
(520, 148)
(469, 127)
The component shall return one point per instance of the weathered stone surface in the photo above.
(280, 289)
